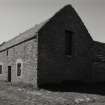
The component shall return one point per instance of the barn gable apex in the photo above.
(69, 13)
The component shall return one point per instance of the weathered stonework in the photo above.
(27, 53)
(3, 61)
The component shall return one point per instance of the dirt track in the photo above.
(12, 95)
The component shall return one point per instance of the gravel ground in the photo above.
(14, 95)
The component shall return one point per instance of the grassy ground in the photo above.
(14, 95)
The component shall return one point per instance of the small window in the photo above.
(0, 69)
(68, 42)
(19, 67)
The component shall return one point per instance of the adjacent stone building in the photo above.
(58, 50)
(18, 58)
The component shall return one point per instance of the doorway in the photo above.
(9, 73)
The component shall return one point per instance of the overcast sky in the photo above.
(16, 16)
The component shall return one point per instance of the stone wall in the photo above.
(54, 66)
(3, 62)
(26, 53)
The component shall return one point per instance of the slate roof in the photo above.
(22, 37)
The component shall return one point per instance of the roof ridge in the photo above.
(29, 33)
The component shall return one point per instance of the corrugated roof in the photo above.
(22, 37)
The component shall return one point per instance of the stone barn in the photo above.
(60, 49)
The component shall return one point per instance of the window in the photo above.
(68, 42)
(19, 67)
(0, 69)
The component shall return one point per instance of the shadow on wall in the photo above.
(77, 86)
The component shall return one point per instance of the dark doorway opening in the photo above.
(9, 73)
